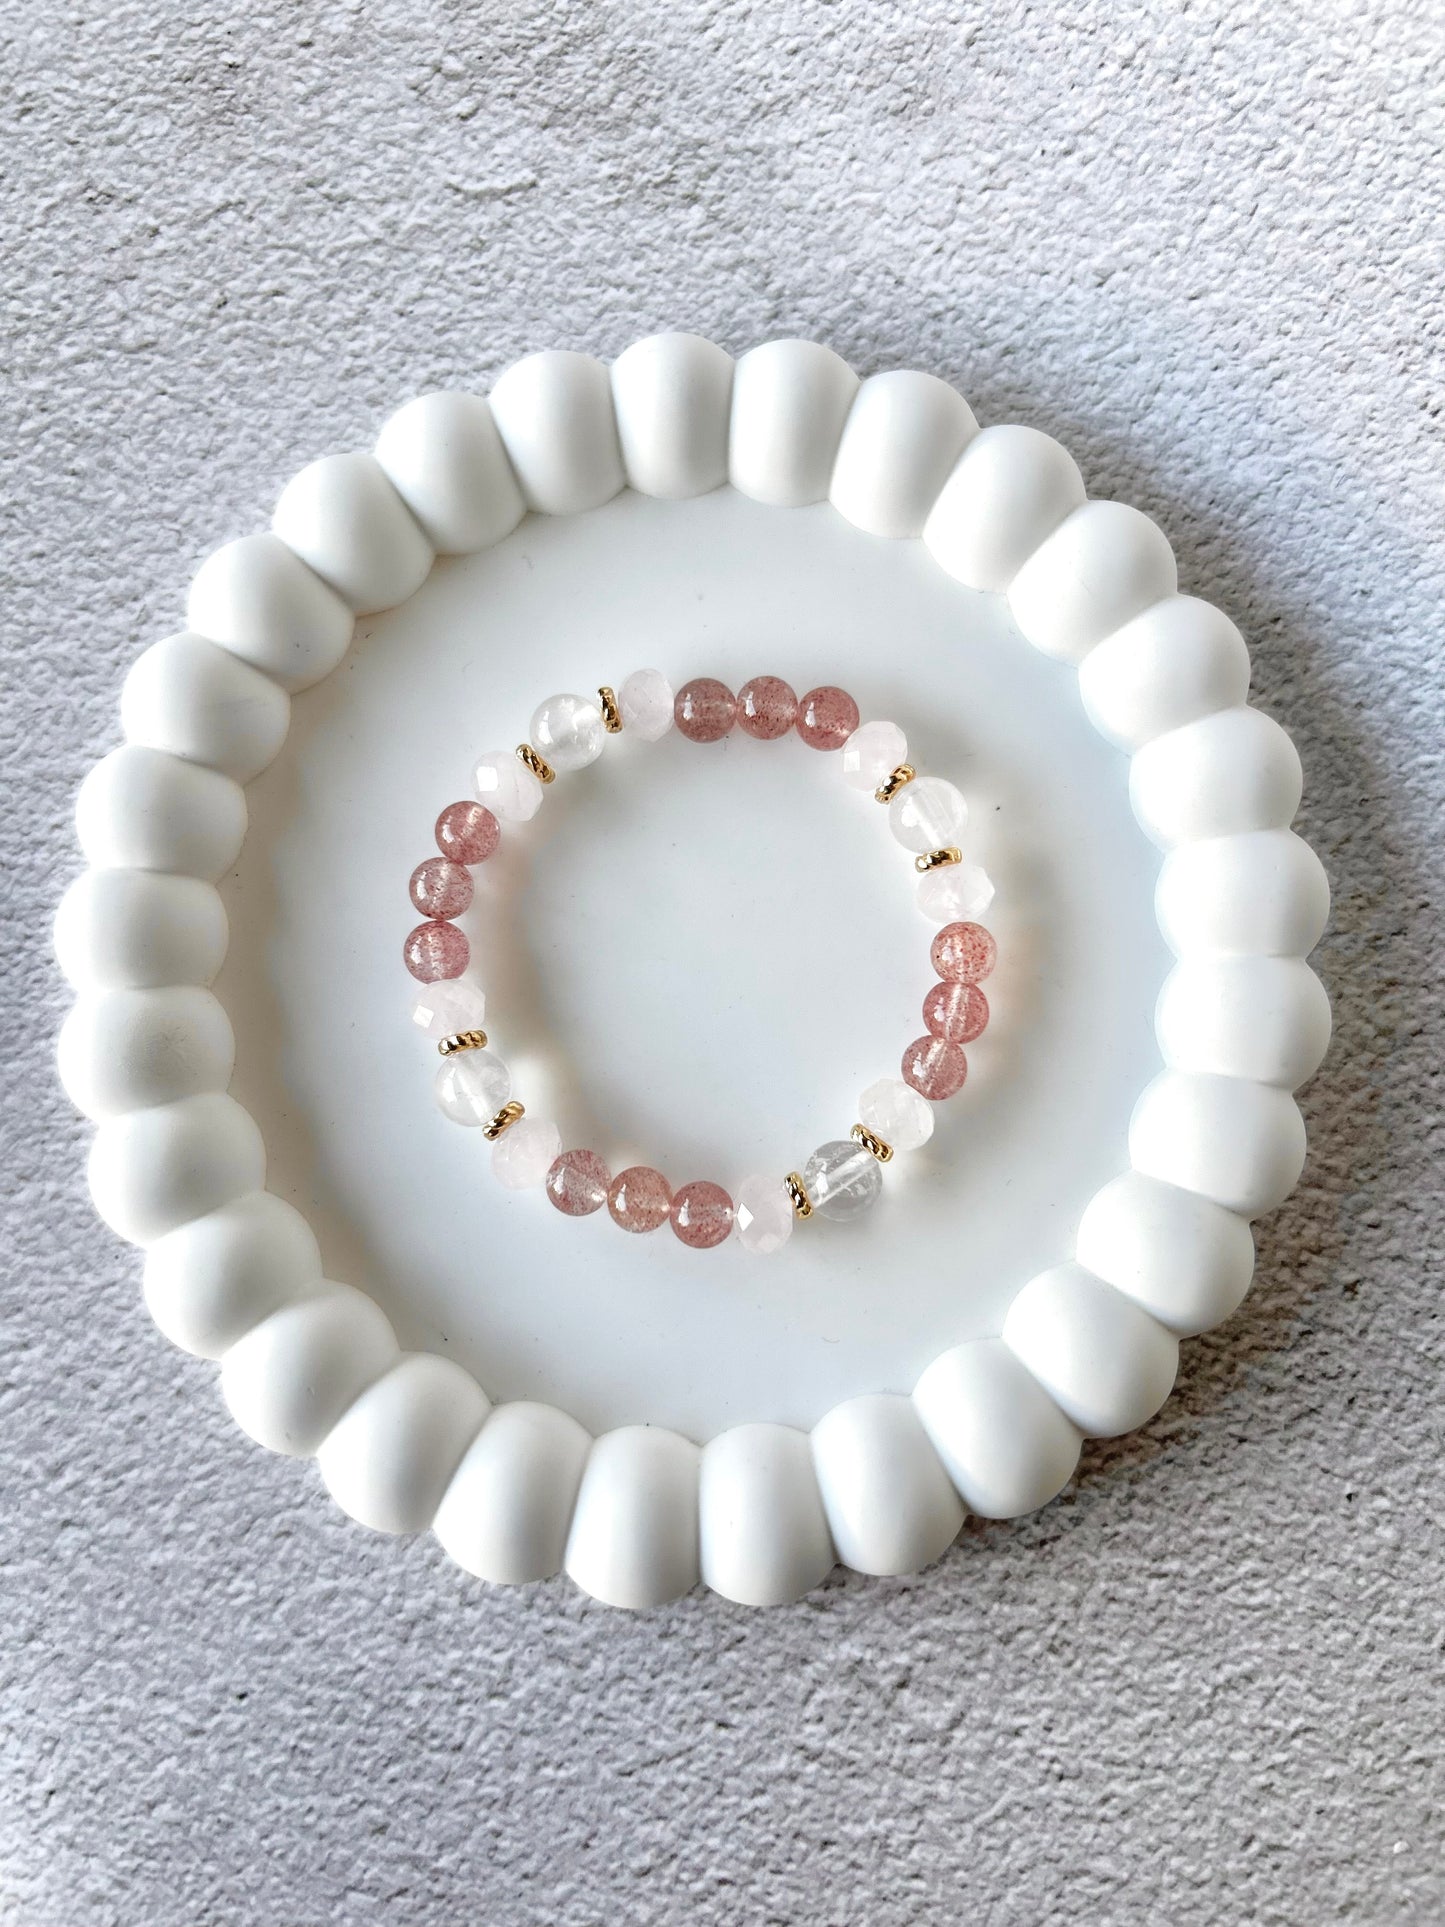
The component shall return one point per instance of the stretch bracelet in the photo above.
(843, 1178)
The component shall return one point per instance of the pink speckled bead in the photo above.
(577, 1183)
(436, 950)
(767, 708)
(827, 717)
(640, 1198)
(440, 888)
(955, 1012)
(964, 953)
(934, 1068)
(702, 1214)
(705, 710)
(467, 832)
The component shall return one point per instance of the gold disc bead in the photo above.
(798, 1196)
(462, 1040)
(611, 714)
(874, 1145)
(886, 791)
(937, 859)
(503, 1121)
(537, 763)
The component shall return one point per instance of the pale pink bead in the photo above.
(467, 832)
(964, 953)
(827, 717)
(577, 1183)
(436, 950)
(702, 1214)
(440, 888)
(639, 1198)
(934, 1068)
(956, 1012)
(705, 710)
(767, 708)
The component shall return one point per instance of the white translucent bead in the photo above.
(507, 787)
(473, 1086)
(842, 1179)
(645, 700)
(525, 1152)
(897, 1113)
(958, 893)
(871, 754)
(442, 1009)
(763, 1214)
(927, 814)
(568, 730)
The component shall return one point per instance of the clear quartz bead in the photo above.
(441, 1009)
(645, 700)
(959, 892)
(525, 1152)
(842, 1179)
(507, 787)
(897, 1113)
(928, 814)
(569, 732)
(871, 754)
(473, 1086)
(763, 1214)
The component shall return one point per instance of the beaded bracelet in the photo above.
(843, 1177)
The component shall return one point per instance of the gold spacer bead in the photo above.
(462, 1040)
(503, 1121)
(937, 860)
(537, 763)
(801, 1202)
(878, 1147)
(886, 792)
(611, 714)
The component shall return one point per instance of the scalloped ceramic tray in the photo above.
(711, 952)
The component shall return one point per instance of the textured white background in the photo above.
(1203, 246)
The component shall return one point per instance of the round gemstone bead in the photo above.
(871, 754)
(639, 1198)
(928, 814)
(473, 1086)
(507, 787)
(767, 708)
(842, 1179)
(702, 1214)
(467, 832)
(577, 1183)
(569, 732)
(958, 890)
(449, 1005)
(440, 888)
(897, 1113)
(436, 950)
(705, 710)
(765, 1216)
(955, 1012)
(645, 700)
(524, 1153)
(964, 953)
(827, 717)
(935, 1069)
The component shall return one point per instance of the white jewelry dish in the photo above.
(1087, 1208)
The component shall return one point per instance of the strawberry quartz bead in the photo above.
(441, 888)
(956, 1012)
(640, 1199)
(702, 1214)
(434, 951)
(577, 1183)
(935, 1068)
(827, 717)
(767, 708)
(963, 953)
(467, 832)
(705, 710)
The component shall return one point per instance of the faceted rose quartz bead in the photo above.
(702, 1214)
(472, 1086)
(440, 888)
(964, 953)
(525, 1152)
(871, 754)
(577, 1183)
(897, 1113)
(958, 890)
(645, 700)
(705, 710)
(436, 950)
(467, 832)
(935, 1069)
(955, 1012)
(765, 1216)
(827, 717)
(450, 1005)
(507, 786)
(639, 1198)
(767, 708)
